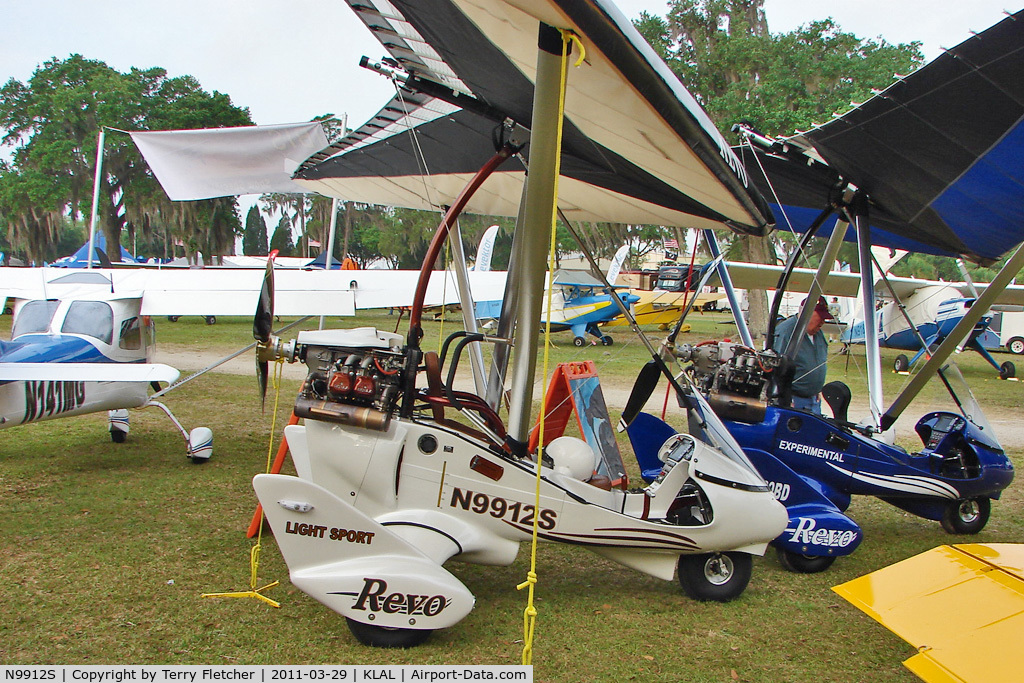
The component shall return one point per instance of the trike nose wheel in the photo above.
(966, 516)
(715, 576)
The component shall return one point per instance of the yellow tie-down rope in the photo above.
(254, 552)
(530, 613)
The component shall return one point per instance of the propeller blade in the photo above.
(263, 326)
(263, 322)
(262, 370)
(644, 386)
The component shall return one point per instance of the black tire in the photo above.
(901, 364)
(117, 436)
(379, 636)
(1007, 370)
(211, 320)
(1015, 345)
(578, 341)
(966, 516)
(720, 577)
(803, 564)
(607, 341)
(173, 318)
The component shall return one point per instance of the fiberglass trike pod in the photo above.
(395, 478)
(401, 487)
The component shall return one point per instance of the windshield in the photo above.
(964, 398)
(91, 318)
(708, 427)
(34, 317)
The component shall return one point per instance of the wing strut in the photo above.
(872, 350)
(730, 291)
(835, 241)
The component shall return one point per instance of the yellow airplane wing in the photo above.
(961, 606)
(659, 307)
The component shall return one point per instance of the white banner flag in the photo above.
(222, 162)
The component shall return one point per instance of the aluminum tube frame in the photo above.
(476, 354)
(506, 321)
(871, 344)
(730, 291)
(814, 291)
(539, 216)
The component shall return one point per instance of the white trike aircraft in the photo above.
(394, 477)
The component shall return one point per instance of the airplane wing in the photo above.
(88, 372)
(234, 291)
(906, 286)
(961, 606)
(939, 154)
(637, 148)
(762, 276)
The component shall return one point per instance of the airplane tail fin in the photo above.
(887, 258)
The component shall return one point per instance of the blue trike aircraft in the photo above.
(932, 164)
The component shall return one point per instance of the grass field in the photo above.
(105, 549)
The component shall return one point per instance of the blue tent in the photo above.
(321, 262)
(78, 259)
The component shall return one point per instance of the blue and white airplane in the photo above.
(578, 304)
(580, 301)
(85, 348)
(926, 312)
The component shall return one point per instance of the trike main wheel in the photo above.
(380, 636)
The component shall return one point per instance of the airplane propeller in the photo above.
(263, 325)
(643, 387)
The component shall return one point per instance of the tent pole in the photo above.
(95, 197)
(330, 243)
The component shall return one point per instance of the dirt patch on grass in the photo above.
(1006, 422)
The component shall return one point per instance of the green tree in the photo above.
(281, 240)
(724, 53)
(53, 120)
(254, 237)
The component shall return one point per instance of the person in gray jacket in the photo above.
(810, 363)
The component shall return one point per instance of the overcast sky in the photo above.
(291, 60)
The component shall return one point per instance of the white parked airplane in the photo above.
(83, 349)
